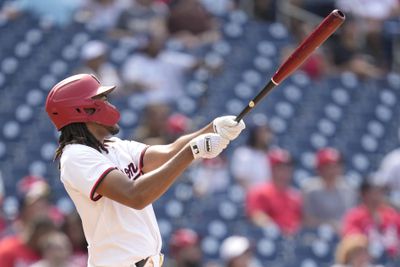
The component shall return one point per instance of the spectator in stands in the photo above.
(352, 251)
(191, 24)
(157, 75)
(318, 7)
(210, 176)
(389, 175)
(347, 54)
(22, 249)
(327, 197)
(184, 247)
(72, 227)
(276, 203)
(153, 126)
(375, 219)
(265, 10)
(94, 56)
(250, 165)
(236, 251)
(143, 17)
(34, 196)
(56, 250)
(316, 65)
(177, 125)
(102, 14)
(60, 12)
(370, 15)
(219, 8)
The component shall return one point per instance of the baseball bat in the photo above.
(325, 29)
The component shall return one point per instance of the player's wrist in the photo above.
(208, 145)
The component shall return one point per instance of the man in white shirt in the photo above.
(113, 182)
(250, 165)
(94, 57)
(156, 74)
(388, 175)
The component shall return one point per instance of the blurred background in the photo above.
(313, 181)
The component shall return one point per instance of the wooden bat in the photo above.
(325, 29)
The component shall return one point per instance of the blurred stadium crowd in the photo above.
(313, 181)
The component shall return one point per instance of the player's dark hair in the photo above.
(78, 133)
(252, 139)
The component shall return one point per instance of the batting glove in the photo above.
(208, 145)
(227, 127)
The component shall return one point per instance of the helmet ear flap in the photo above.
(105, 114)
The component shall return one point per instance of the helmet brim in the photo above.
(104, 90)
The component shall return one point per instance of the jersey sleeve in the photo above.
(137, 151)
(83, 168)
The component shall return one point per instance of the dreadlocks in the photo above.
(77, 133)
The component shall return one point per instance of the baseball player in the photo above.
(114, 182)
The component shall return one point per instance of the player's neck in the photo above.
(99, 132)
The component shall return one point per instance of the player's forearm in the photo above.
(152, 185)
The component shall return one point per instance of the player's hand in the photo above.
(208, 145)
(227, 127)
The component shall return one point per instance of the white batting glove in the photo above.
(227, 127)
(208, 145)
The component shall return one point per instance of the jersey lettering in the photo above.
(131, 170)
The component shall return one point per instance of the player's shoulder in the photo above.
(77, 152)
(115, 141)
(125, 145)
(77, 148)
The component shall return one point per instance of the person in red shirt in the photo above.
(34, 195)
(374, 218)
(276, 203)
(185, 249)
(22, 250)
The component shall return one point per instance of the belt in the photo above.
(141, 263)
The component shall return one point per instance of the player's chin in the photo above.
(113, 130)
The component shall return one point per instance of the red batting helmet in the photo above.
(182, 238)
(327, 156)
(278, 156)
(70, 99)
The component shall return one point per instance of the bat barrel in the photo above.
(325, 29)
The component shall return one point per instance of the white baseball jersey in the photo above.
(251, 165)
(117, 234)
(389, 171)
